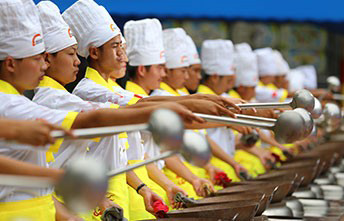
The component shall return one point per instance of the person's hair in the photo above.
(132, 70)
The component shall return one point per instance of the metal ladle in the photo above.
(85, 181)
(331, 117)
(289, 127)
(301, 99)
(166, 126)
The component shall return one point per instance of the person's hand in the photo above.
(223, 101)
(171, 193)
(239, 168)
(183, 112)
(212, 171)
(149, 198)
(199, 184)
(36, 133)
(107, 203)
(266, 158)
(241, 129)
(206, 107)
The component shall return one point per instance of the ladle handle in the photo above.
(88, 133)
(228, 120)
(338, 97)
(25, 181)
(249, 117)
(143, 163)
(263, 105)
(44, 182)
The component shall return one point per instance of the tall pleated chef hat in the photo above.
(245, 61)
(175, 48)
(144, 42)
(266, 62)
(310, 74)
(242, 47)
(20, 29)
(217, 57)
(296, 80)
(56, 32)
(281, 63)
(90, 25)
(193, 55)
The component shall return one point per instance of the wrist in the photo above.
(143, 190)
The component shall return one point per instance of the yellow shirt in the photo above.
(135, 88)
(232, 93)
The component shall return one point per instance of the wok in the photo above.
(263, 200)
(284, 175)
(279, 190)
(243, 211)
(282, 191)
(309, 174)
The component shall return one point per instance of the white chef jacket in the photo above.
(94, 88)
(53, 95)
(222, 136)
(16, 106)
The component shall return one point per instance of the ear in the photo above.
(94, 53)
(47, 59)
(141, 71)
(9, 64)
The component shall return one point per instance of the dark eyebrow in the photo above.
(116, 42)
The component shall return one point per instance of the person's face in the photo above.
(281, 82)
(63, 66)
(224, 83)
(26, 73)
(246, 93)
(194, 77)
(267, 79)
(111, 56)
(230, 82)
(177, 77)
(116, 74)
(154, 75)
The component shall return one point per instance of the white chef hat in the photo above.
(20, 29)
(91, 25)
(310, 74)
(175, 48)
(296, 80)
(192, 51)
(245, 61)
(57, 34)
(144, 42)
(242, 47)
(266, 62)
(281, 63)
(218, 57)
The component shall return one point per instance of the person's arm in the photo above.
(14, 167)
(227, 102)
(160, 178)
(148, 195)
(110, 117)
(222, 155)
(63, 214)
(36, 133)
(176, 165)
(271, 140)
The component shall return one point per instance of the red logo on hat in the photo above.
(112, 27)
(34, 41)
(183, 59)
(162, 54)
(70, 33)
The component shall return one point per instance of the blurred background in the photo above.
(305, 31)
